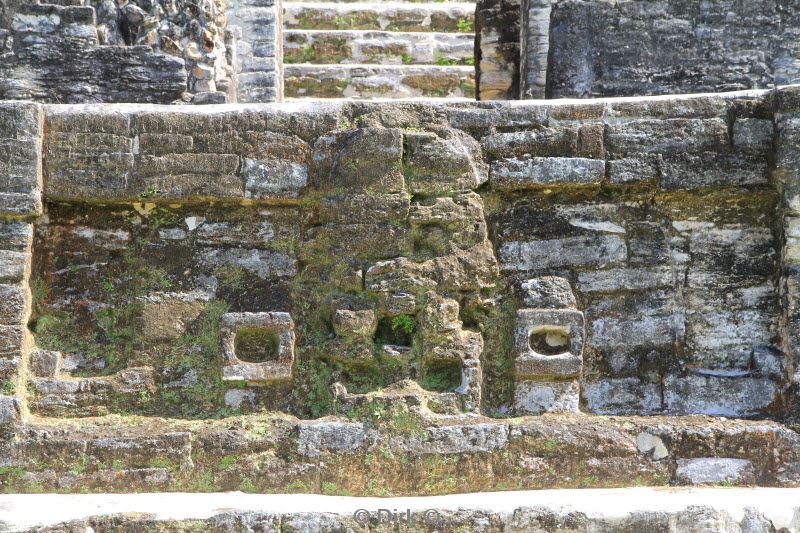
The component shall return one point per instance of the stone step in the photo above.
(454, 17)
(473, 2)
(374, 81)
(381, 47)
(722, 510)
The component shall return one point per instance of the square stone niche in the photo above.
(548, 342)
(257, 347)
(548, 345)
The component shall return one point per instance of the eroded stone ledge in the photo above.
(548, 511)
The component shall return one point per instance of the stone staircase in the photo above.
(380, 49)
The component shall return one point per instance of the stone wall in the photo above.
(497, 45)
(258, 30)
(596, 48)
(205, 284)
(167, 51)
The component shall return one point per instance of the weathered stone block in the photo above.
(753, 133)
(266, 264)
(443, 161)
(167, 316)
(361, 160)
(16, 236)
(672, 136)
(719, 396)
(13, 266)
(322, 438)
(14, 304)
(351, 324)
(45, 363)
(626, 279)
(682, 171)
(601, 250)
(644, 168)
(713, 470)
(621, 396)
(10, 410)
(273, 178)
(537, 397)
(548, 292)
(514, 174)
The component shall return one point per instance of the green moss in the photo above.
(197, 350)
(406, 423)
(332, 489)
(230, 276)
(8, 387)
(247, 486)
(298, 486)
(442, 376)
(227, 461)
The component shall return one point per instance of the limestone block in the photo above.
(567, 140)
(360, 160)
(266, 264)
(167, 316)
(683, 171)
(671, 136)
(45, 363)
(322, 438)
(537, 397)
(539, 255)
(537, 172)
(626, 278)
(651, 445)
(618, 396)
(14, 304)
(365, 208)
(143, 450)
(547, 292)
(264, 328)
(548, 342)
(442, 161)
(10, 410)
(17, 236)
(642, 168)
(711, 470)
(350, 324)
(719, 396)
(753, 133)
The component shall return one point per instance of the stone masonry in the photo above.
(596, 48)
(196, 296)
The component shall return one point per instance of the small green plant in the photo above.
(444, 61)
(470, 61)
(404, 323)
(464, 25)
(406, 59)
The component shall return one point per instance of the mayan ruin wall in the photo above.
(277, 265)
